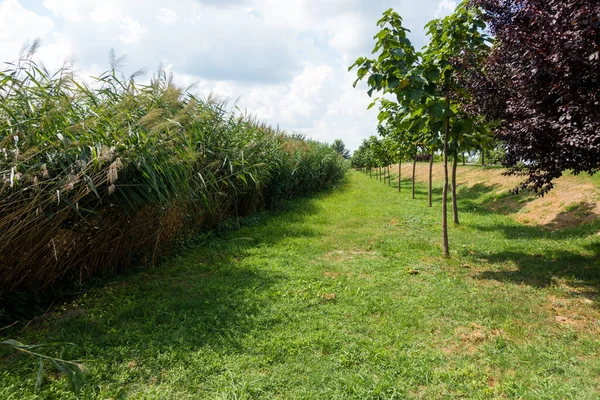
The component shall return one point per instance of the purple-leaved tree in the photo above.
(542, 81)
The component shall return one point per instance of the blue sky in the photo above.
(284, 61)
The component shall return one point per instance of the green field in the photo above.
(343, 295)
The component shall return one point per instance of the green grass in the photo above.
(343, 295)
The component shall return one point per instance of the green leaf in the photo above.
(432, 74)
(448, 112)
(362, 72)
(382, 34)
(431, 90)
(416, 94)
(40, 374)
(437, 110)
(14, 343)
(437, 126)
(419, 79)
(398, 53)
(393, 83)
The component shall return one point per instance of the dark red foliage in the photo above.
(542, 80)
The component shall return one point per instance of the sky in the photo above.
(283, 61)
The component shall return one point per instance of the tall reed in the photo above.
(109, 173)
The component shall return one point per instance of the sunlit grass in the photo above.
(344, 295)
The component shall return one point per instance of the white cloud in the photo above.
(128, 30)
(445, 7)
(286, 61)
(349, 33)
(56, 52)
(166, 16)
(18, 26)
(71, 10)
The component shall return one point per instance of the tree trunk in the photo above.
(464, 162)
(389, 176)
(380, 180)
(454, 199)
(431, 178)
(414, 176)
(399, 175)
(483, 158)
(445, 190)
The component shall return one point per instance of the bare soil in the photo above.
(572, 202)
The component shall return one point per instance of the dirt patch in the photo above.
(331, 275)
(476, 334)
(578, 322)
(471, 338)
(577, 312)
(572, 202)
(575, 214)
(492, 381)
(341, 255)
(328, 297)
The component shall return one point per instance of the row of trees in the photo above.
(530, 90)
(426, 110)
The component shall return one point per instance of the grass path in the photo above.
(344, 296)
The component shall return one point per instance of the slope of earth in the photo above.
(341, 296)
(574, 201)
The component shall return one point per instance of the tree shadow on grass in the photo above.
(576, 214)
(555, 230)
(473, 197)
(579, 220)
(582, 269)
(484, 199)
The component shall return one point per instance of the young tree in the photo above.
(459, 35)
(430, 136)
(358, 159)
(339, 146)
(376, 154)
(399, 140)
(425, 84)
(367, 156)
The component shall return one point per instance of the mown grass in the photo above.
(343, 295)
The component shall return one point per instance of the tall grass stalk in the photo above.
(109, 173)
